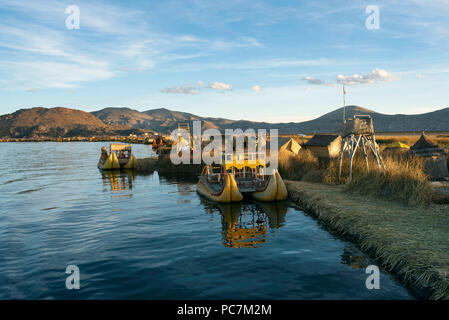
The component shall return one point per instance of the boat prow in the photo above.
(111, 162)
(281, 193)
(274, 190)
(225, 193)
(130, 164)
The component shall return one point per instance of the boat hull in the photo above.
(131, 164)
(281, 193)
(275, 190)
(111, 163)
(228, 193)
(270, 191)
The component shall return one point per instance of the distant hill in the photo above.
(49, 122)
(156, 119)
(64, 122)
(54, 122)
(160, 120)
(123, 117)
(331, 122)
(164, 120)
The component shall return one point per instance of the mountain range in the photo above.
(65, 122)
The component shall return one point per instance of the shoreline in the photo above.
(411, 243)
(76, 139)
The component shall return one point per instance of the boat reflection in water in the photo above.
(248, 224)
(354, 258)
(118, 180)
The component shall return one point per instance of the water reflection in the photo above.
(118, 180)
(185, 184)
(178, 178)
(247, 224)
(275, 211)
(354, 258)
(184, 188)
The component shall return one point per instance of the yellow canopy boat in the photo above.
(236, 176)
(120, 157)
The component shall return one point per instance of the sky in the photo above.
(274, 61)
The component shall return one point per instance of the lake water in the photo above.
(153, 237)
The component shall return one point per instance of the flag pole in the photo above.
(344, 104)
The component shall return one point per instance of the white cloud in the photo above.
(99, 17)
(311, 80)
(111, 40)
(184, 89)
(145, 65)
(135, 49)
(256, 89)
(250, 42)
(220, 86)
(44, 42)
(45, 58)
(316, 81)
(42, 74)
(377, 75)
(191, 89)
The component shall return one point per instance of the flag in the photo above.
(344, 91)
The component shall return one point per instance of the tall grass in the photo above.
(331, 176)
(403, 178)
(303, 166)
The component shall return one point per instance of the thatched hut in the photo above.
(425, 148)
(436, 158)
(289, 146)
(324, 145)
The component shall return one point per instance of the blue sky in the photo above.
(275, 61)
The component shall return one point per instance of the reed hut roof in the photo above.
(321, 140)
(424, 148)
(291, 145)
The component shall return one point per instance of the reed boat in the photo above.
(158, 142)
(119, 157)
(240, 175)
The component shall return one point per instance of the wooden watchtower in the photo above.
(358, 132)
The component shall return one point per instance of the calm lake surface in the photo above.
(152, 237)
